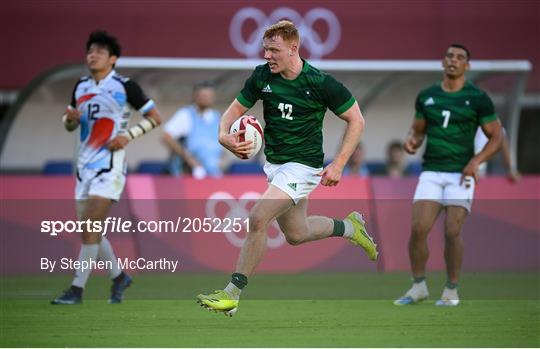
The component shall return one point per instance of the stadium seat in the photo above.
(58, 167)
(414, 168)
(152, 167)
(376, 168)
(245, 168)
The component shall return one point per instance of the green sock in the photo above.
(339, 228)
(451, 285)
(419, 279)
(239, 280)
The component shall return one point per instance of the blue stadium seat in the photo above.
(251, 167)
(151, 167)
(376, 168)
(58, 167)
(414, 168)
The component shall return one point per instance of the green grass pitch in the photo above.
(302, 310)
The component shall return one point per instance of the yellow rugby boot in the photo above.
(220, 302)
(361, 237)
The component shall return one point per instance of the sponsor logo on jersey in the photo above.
(267, 89)
(429, 101)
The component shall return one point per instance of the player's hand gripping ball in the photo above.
(254, 133)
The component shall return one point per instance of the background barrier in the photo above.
(502, 233)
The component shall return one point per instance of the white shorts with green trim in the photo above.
(295, 179)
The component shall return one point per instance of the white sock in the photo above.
(233, 291)
(420, 285)
(349, 229)
(450, 293)
(106, 253)
(418, 290)
(87, 254)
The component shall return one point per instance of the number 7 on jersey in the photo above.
(446, 115)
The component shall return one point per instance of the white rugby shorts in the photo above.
(295, 179)
(106, 184)
(445, 188)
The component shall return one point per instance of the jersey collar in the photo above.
(104, 79)
(466, 84)
(305, 66)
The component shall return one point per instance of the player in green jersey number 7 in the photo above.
(449, 113)
(295, 97)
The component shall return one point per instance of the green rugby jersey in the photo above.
(452, 120)
(294, 111)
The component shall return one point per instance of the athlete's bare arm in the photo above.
(151, 121)
(71, 119)
(493, 132)
(230, 141)
(331, 174)
(416, 136)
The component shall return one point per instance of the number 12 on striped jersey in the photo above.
(286, 110)
(446, 115)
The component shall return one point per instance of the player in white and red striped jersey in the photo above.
(100, 105)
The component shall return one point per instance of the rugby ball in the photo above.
(254, 133)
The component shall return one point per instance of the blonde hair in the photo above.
(286, 29)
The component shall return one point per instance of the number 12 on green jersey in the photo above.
(286, 110)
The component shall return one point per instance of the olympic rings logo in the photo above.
(239, 209)
(311, 40)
